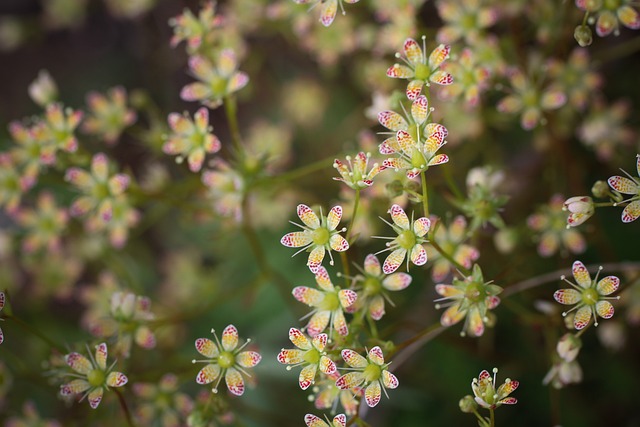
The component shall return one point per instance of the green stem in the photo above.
(425, 195)
(24, 325)
(408, 346)
(356, 203)
(493, 417)
(299, 172)
(125, 408)
(231, 110)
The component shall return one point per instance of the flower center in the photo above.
(406, 240)
(218, 86)
(320, 236)
(372, 372)
(312, 356)
(96, 378)
(330, 302)
(417, 159)
(422, 72)
(372, 286)
(590, 296)
(475, 292)
(226, 360)
(101, 190)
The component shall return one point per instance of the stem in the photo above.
(493, 417)
(425, 195)
(24, 325)
(125, 408)
(231, 110)
(406, 348)
(300, 172)
(448, 257)
(356, 203)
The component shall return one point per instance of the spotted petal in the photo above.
(372, 394)
(229, 338)
(237, 81)
(394, 260)
(350, 380)
(421, 226)
(307, 376)
(74, 387)
(398, 71)
(507, 388)
(375, 355)
(338, 243)
(372, 265)
(116, 379)
(248, 359)
(376, 307)
(78, 363)
(623, 185)
(347, 297)
(399, 217)
(419, 255)
(2, 300)
(389, 380)
(581, 274)
(290, 356)
(438, 56)
(235, 383)
(101, 355)
(396, 281)
(333, 218)
(449, 291)
(441, 77)
(353, 359)
(296, 239)
(95, 397)
(313, 421)
(308, 216)
(631, 212)
(452, 315)
(604, 309)
(389, 146)
(207, 348)
(413, 51)
(438, 160)
(299, 339)
(326, 365)
(420, 109)
(582, 317)
(608, 285)
(1, 336)
(306, 295)
(405, 141)
(340, 420)
(340, 323)
(567, 296)
(319, 322)
(414, 88)
(392, 120)
(476, 325)
(328, 13)
(508, 401)
(208, 374)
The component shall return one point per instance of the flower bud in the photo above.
(395, 189)
(467, 404)
(43, 89)
(568, 347)
(600, 189)
(581, 208)
(583, 36)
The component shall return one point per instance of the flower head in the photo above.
(486, 394)
(94, 376)
(339, 420)
(580, 209)
(191, 138)
(588, 296)
(550, 225)
(163, 402)
(630, 185)
(355, 173)
(409, 241)
(12, 185)
(610, 14)
(58, 127)
(470, 298)
(470, 78)
(328, 395)
(318, 235)
(45, 224)
(420, 69)
(329, 8)
(464, 19)
(452, 241)
(226, 187)
(225, 358)
(329, 303)
(109, 114)
(310, 354)
(370, 372)
(605, 128)
(217, 80)
(196, 31)
(372, 285)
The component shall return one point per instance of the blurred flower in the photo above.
(451, 240)
(210, 410)
(96, 298)
(328, 45)
(217, 80)
(310, 354)
(196, 31)
(371, 285)
(464, 19)
(530, 100)
(225, 358)
(226, 187)
(355, 175)
(604, 128)
(30, 418)
(95, 377)
(318, 235)
(123, 218)
(470, 298)
(588, 296)
(470, 78)
(109, 114)
(52, 275)
(304, 101)
(328, 8)
(191, 138)
(631, 186)
(410, 240)
(568, 347)
(609, 14)
(162, 403)
(550, 226)
(127, 321)
(612, 335)
(11, 186)
(267, 147)
(58, 127)
(43, 90)
(486, 394)
(311, 420)
(327, 395)
(576, 77)
(420, 69)
(580, 209)
(44, 225)
(371, 373)
(31, 152)
(329, 303)
(563, 373)
(484, 203)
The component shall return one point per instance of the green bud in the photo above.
(395, 189)
(467, 404)
(583, 36)
(600, 189)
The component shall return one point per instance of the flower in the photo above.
(451, 239)
(589, 296)
(45, 224)
(551, 227)
(355, 175)
(191, 138)
(98, 376)
(420, 69)
(371, 373)
(409, 240)
(484, 203)
(328, 395)
(563, 373)
(43, 90)
(631, 186)
(310, 353)
(609, 14)
(162, 402)
(225, 358)
(311, 420)
(580, 207)
(109, 114)
(195, 31)
(318, 235)
(471, 297)
(329, 8)
(464, 18)
(217, 80)
(605, 128)
(226, 187)
(371, 286)
(470, 78)
(568, 347)
(329, 302)
(576, 76)
(486, 394)
(12, 185)
(58, 126)
(2, 301)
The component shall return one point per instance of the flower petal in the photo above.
(353, 359)
(567, 296)
(307, 376)
(623, 185)
(392, 121)
(74, 387)
(394, 260)
(350, 380)
(452, 315)
(229, 338)
(299, 339)
(338, 243)
(396, 281)
(248, 359)
(207, 348)
(608, 285)
(375, 355)
(438, 56)
(326, 365)
(340, 323)
(208, 374)
(376, 307)
(318, 322)
(333, 218)
(116, 379)
(508, 401)
(328, 13)
(95, 397)
(308, 216)
(604, 309)
(413, 51)
(347, 297)
(306, 295)
(372, 394)
(398, 71)
(290, 356)
(235, 383)
(389, 380)
(421, 226)
(419, 255)
(581, 274)
(476, 324)
(340, 420)
(371, 265)
(582, 318)
(296, 239)
(507, 388)
(315, 258)
(441, 77)
(101, 356)
(78, 363)
(449, 291)
(631, 212)
(414, 88)
(420, 109)
(399, 217)
(313, 421)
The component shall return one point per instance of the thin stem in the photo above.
(356, 203)
(125, 408)
(231, 110)
(299, 172)
(493, 417)
(425, 195)
(24, 325)
(406, 348)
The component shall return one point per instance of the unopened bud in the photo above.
(583, 35)
(600, 189)
(467, 404)
(568, 347)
